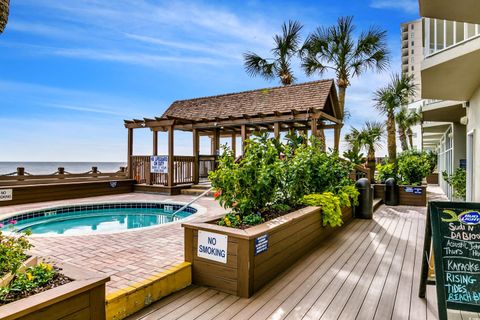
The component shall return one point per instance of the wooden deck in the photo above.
(370, 270)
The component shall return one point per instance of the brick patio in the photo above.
(128, 257)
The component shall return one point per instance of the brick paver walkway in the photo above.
(128, 257)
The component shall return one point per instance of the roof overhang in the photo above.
(453, 73)
(443, 111)
(432, 133)
(458, 10)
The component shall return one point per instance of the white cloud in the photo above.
(409, 6)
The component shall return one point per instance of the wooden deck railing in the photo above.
(183, 171)
(206, 163)
(24, 178)
(360, 172)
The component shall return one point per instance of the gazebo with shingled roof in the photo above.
(306, 107)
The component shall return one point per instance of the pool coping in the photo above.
(200, 210)
(126, 301)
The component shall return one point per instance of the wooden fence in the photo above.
(20, 177)
(183, 171)
(206, 163)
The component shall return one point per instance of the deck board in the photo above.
(369, 270)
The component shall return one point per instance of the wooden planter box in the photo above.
(256, 255)
(83, 298)
(408, 195)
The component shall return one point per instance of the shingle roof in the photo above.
(299, 97)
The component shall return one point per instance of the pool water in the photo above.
(96, 220)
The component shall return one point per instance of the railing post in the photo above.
(20, 172)
(61, 172)
(130, 153)
(94, 171)
(196, 161)
(171, 168)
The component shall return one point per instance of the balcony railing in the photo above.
(443, 34)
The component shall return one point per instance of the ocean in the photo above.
(51, 167)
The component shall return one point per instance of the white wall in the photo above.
(473, 114)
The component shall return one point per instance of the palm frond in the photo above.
(258, 66)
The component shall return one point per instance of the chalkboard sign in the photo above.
(454, 228)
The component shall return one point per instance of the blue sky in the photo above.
(71, 71)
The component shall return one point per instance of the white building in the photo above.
(450, 81)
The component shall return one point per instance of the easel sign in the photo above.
(454, 228)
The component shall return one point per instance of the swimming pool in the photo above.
(96, 218)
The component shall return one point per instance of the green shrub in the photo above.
(458, 181)
(330, 203)
(34, 277)
(349, 196)
(250, 185)
(386, 171)
(432, 157)
(13, 249)
(413, 166)
(274, 177)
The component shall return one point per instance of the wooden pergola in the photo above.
(307, 107)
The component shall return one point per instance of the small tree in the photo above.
(286, 47)
(387, 100)
(335, 48)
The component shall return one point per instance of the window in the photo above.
(413, 43)
(412, 26)
(412, 60)
(412, 51)
(412, 35)
(412, 68)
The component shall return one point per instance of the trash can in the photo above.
(364, 210)
(391, 192)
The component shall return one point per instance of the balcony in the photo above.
(450, 69)
(464, 10)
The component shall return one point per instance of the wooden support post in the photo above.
(196, 152)
(130, 153)
(234, 144)
(313, 127)
(216, 141)
(337, 137)
(276, 130)
(244, 136)
(171, 173)
(155, 143)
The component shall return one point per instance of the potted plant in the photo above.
(282, 200)
(39, 290)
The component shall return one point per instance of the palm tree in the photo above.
(370, 138)
(354, 145)
(286, 47)
(390, 98)
(405, 119)
(334, 48)
(4, 9)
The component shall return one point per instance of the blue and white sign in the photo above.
(159, 164)
(212, 246)
(414, 190)
(261, 244)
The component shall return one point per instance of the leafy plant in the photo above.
(33, 277)
(413, 166)
(432, 157)
(13, 249)
(354, 157)
(230, 220)
(385, 171)
(349, 194)
(250, 185)
(330, 203)
(273, 178)
(458, 181)
(252, 219)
